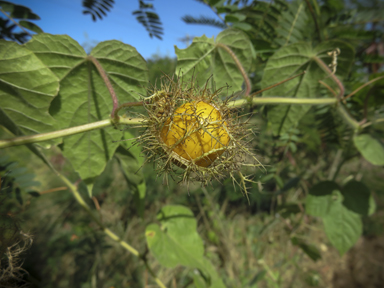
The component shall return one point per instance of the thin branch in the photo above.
(371, 123)
(124, 105)
(65, 132)
(107, 231)
(328, 87)
(332, 75)
(17, 24)
(239, 66)
(282, 100)
(277, 84)
(108, 83)
(362, 86)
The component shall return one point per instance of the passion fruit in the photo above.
(196, 133)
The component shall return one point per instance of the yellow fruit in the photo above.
(196, 128)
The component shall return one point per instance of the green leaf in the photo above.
(130, 166)
(206, 57)
(371, 148)
(242, 26)
(131, 162)
(356, 197)
(234, 17)
(293, 24)
(18, 11)
(31, 26)
(176, 242)
(319, 199)
(27, 88)
(289, 61)
(342, 226)
(84, 97)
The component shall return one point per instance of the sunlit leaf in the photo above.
(27, 88)
(84, 97)
(205, 58)
(291, 60)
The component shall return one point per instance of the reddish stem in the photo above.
(108, 83)
(239, 66)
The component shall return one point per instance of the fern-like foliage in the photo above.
(97, 8)
(264, 19)
(149, 19)
(9, 25)
(202, 20)
(293, 24)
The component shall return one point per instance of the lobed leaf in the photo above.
(291, 60)
(176, 242)
(27, 88)
(342, 226)
(205, 58)
(84, 97)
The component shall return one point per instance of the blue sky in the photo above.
(66, 17)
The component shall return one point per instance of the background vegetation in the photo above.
(315, 217)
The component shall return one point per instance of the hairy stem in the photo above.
(108, 83)
(282, 100)
(239, 66)
(65, 132)
(137, 121)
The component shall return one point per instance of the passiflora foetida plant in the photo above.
(191, 128)
(54, 94)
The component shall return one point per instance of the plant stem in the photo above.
(17, 24)
(373, 122)
(108, 83)
(65, 132)
(107, 231)
(352, 122)
(282, 100)
(332, 75)
(277, 84)
(239, 66)
(362, 86)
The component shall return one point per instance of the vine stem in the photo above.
(239, 66)
(137, 121)
(343, 112)
(362, 86)
(107, 231)
(282, 100)
(66, 132)
(108, 83)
